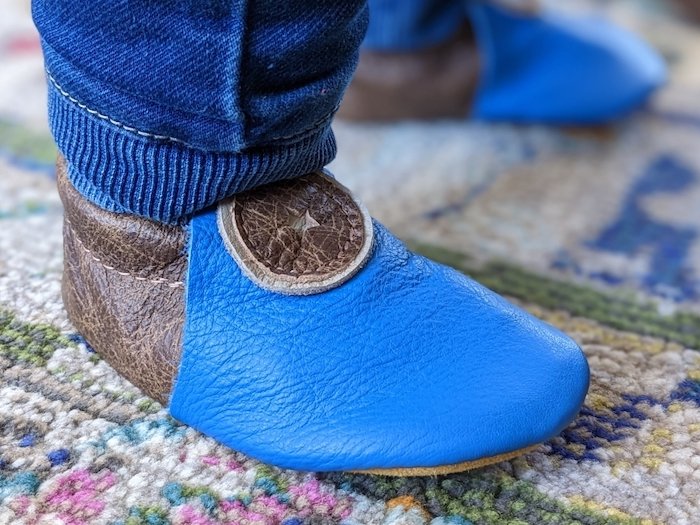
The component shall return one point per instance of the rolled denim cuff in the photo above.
(127, 170)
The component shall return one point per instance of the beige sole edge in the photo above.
(447, 469)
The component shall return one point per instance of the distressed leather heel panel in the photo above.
(131, 243)
(131, 314)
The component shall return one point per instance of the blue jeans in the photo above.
(164, 107)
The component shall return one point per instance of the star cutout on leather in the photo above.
(301, 223)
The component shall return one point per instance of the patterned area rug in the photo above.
(596, 232)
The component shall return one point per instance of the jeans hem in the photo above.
(164, 180)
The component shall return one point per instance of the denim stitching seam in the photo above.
(68, 96)
(311, 128)
(105, 117)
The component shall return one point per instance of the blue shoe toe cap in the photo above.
(517, 382)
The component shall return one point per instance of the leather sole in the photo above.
(448, 469)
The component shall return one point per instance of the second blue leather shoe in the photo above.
(289, 326)
(555, 68)
(518, 65)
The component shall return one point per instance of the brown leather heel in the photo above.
(123, 288)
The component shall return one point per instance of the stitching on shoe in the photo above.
(160, 280)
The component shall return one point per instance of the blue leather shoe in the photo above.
(291, 327)
(525, 65)
(553, 68)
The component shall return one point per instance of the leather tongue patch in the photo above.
(300, 236)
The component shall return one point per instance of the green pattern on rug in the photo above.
(624, 311)
(33, 344)
(27, 146)
(490, 498)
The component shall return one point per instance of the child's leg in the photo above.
(162, 108)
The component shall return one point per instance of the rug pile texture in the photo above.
(598, 232)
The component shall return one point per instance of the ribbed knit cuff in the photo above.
(124, 170)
